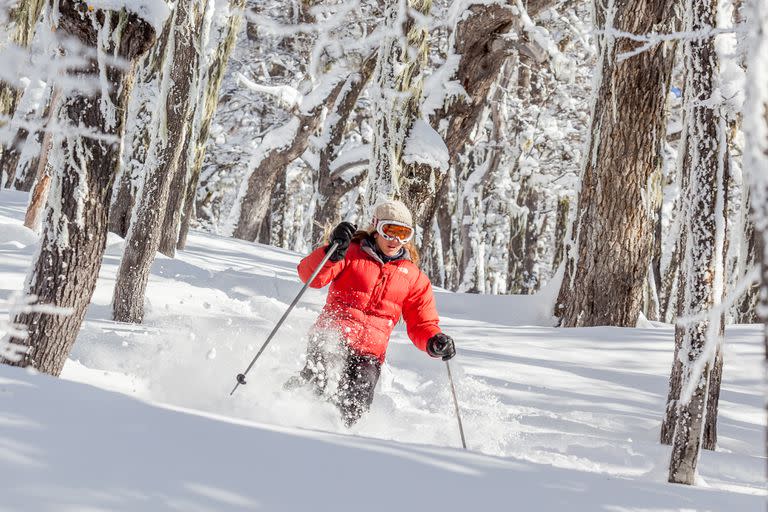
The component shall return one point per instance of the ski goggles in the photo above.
(393, 230)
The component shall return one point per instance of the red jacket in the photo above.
(367, 297)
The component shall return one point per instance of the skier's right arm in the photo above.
(328, 273)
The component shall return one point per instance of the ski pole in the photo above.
(456, 405)
(241, 376)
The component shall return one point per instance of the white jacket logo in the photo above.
(404, 270)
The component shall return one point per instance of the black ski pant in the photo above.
(356, 383)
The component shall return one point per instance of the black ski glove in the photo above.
(341, 234)
(441, 345)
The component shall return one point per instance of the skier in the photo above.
(374, 279)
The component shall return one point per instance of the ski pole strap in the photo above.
(241, 376)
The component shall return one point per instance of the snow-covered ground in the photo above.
(555, 419)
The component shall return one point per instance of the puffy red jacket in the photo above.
(367, 297)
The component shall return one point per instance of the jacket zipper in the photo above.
(378, 291)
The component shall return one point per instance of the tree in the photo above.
(279, 148)
(23, 17)
(756, 157)
(478, 47)
(331, 183)
(183, 191)
(700, 330)
(177, 60)
(85, 161)
(143, 111)
(399, 165)
(42, 178)
(612, 246)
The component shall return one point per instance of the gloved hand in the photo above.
(441, 345)
(341, 234)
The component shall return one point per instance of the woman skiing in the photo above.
(374, 279)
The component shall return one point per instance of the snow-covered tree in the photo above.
(176, 62)
(85, 159)
(403, 144)
(22, 20)
(333, 181)
(700, 328)
(613, 230)
(277, 150)
(215, 60)
(756, 144)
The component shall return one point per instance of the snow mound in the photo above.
(426, 147)
(16, 236)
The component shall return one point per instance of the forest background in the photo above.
(615, 149)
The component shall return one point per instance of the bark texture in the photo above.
(713, 402)
(614, 226)
(144, 234)
(74, 234)
(169, 234)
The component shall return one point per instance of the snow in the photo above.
(425, 146)
(154, 12)
(441, 87)
(289, 97)
(555, 419)
(353, 155)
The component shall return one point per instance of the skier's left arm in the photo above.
(420, 313)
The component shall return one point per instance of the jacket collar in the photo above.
(369, 247)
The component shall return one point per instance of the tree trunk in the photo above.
(278, 149)
(524, 243)
(561, 226)
(143, 108)
(42, 178)
(716, 375)
(651, 308)
(203, 118)
(603, 284)
(702, 270)
(395, 106)
(495, 210)
(37, 166)
(23, 17)
(668, 291)
(673, 395)
(713, 401)
(417, 172)
(9, 159)
(746, 312)
(271, 228)
(756, 148)
(37, 202)
(169, 234)
(75, 231)
(143, 238)
(195, 143)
